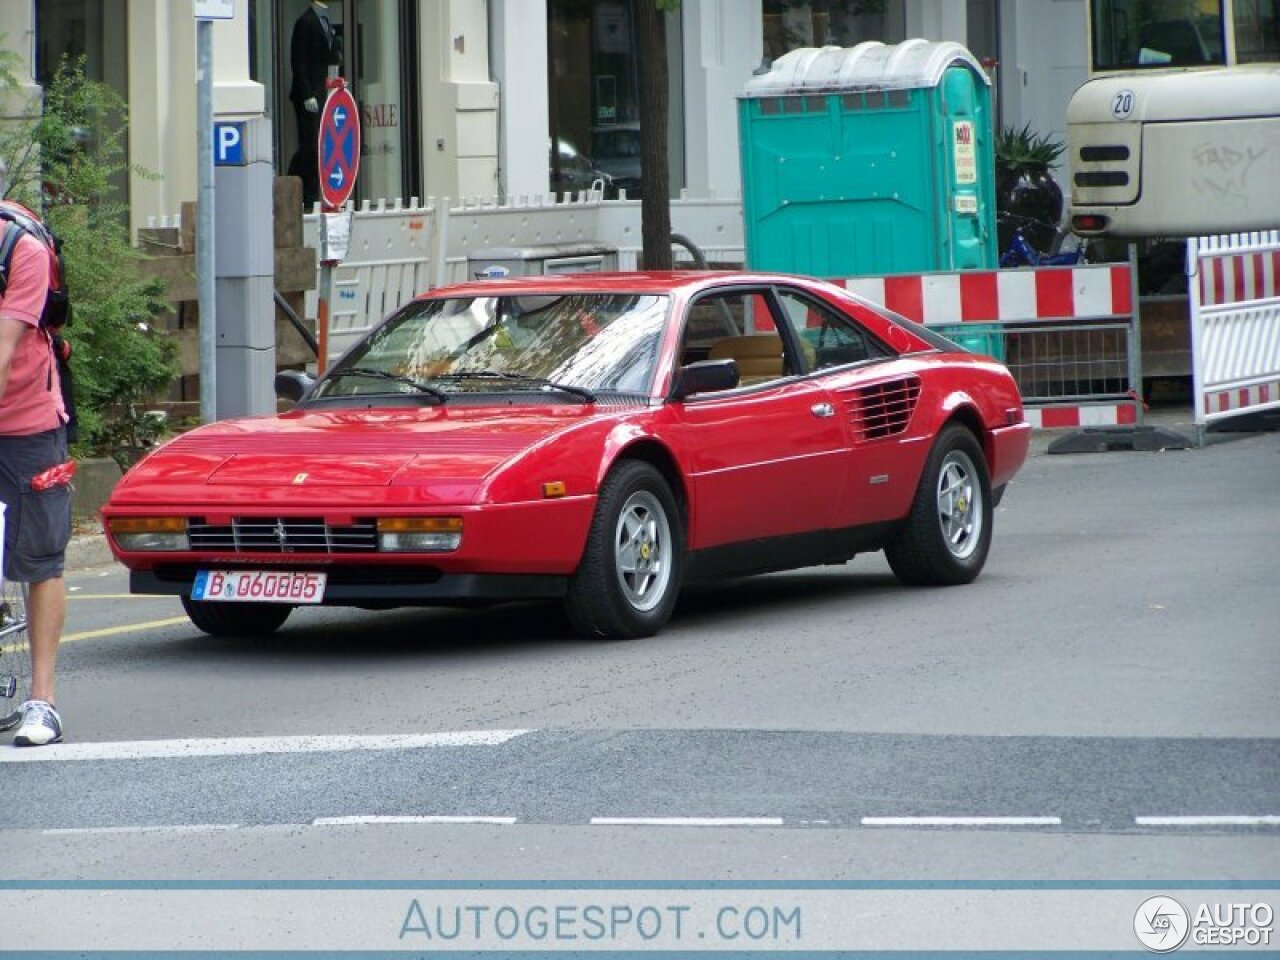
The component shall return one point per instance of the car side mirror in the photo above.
(706, 376)
(293, 384)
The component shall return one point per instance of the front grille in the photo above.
(883, 409)
(283, 535)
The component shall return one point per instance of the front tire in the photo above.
(220, 619)
(629, 577)
(948, 532)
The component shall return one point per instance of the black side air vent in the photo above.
(883, 409)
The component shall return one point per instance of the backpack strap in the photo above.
(12, 234)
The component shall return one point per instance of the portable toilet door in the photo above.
(873, 159)
(966, 119)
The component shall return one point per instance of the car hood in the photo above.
(446, 453)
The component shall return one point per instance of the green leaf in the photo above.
(1023, 150)
(67, 161)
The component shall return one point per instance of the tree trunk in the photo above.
(655, 180)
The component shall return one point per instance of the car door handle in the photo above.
(822, 410)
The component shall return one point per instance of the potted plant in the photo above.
(1027, 196)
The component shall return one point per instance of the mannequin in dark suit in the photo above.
(313, 48)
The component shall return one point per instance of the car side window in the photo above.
(738, 325)
(829, 338)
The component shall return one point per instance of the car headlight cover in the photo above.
(145, 534)
(419, 534)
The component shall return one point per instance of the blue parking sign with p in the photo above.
(228, 144)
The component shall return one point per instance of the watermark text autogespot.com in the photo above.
(613, 923)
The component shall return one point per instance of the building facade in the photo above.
(506, 98)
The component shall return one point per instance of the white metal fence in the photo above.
(1234, 287)
(401, 249)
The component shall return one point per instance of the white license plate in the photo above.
(259, 586)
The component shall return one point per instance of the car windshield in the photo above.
(579, 346)
(1156, 33)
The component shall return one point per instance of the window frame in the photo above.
(815, 302)
(793, 354)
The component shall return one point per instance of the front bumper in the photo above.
(544, 537)
(380, 586)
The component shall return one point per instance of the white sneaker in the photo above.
(40, 725)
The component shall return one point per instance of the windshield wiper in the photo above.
(393, 377)
(582, 392)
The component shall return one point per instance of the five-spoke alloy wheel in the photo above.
(947, 534)
(627, 583)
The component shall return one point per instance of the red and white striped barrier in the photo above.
(1082, 415)
(1003, 296)
(1234, 282)
(1243, 398)
(1236, 278)
(1057, 296)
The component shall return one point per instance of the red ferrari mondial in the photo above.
(599, 438)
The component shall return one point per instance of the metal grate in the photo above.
(882, 409)
(283, 535)
(1076, 362)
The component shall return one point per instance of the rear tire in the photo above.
(627, 583)
(220, 619)
(948, 532)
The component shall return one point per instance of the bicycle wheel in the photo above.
(15, 655)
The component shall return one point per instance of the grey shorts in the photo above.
(37, 525)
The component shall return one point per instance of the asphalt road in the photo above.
(1101, 704)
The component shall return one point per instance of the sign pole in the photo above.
(322, 315)
(206, 263)
(339, 161)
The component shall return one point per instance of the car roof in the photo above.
(653, 282)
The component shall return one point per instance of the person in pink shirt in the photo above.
(33, 440)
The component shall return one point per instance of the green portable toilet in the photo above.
(874, 159)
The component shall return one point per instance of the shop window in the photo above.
(92, 34)
(594, 87)
(792, 24)
(373, 45)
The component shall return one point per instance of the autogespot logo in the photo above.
(1161, 924)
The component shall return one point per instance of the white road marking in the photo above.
(1208, 821)
(961, 821)
(237, 746)
(465, 819)
(687, 821)
(174, 828)
(366, 820)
